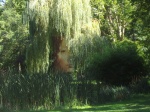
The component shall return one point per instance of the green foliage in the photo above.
(4, 110)
(117, 65)
(1, 9)
(18, 5)
(114, 16)
(100, 93)
(33, 91)
(13, 37)
(108, 93)
(141, 86)
(51, 19)
(96, 60)
(140, 26)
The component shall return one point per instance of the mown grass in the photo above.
(137, 103)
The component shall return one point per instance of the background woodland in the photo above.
(108, 42)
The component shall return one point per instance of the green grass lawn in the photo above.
(138, 103)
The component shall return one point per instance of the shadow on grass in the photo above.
(139, 103)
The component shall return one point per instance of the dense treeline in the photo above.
(110, 52)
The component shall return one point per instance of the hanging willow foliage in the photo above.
(37, 58)
(66, 18)
(88, 43)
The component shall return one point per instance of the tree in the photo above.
(18, 5)
(13, 35)
(51, 19)
(13, 38)
(115, 17)
(140, 25)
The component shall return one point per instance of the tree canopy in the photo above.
(51, 18)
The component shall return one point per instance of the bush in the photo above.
(111, 93)
(141, 85)
(4, 110)
(117, 65)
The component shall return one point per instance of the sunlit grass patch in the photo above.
(137, 103)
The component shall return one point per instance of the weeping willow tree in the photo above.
(47, 18)
(37, 57)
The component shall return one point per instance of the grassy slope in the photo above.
(139, 103)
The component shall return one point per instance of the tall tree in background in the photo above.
(114, 16)
(12, 37)
(140, 25)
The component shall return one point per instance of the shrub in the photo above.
(117, 65)
(112, 93)
(4, 110)
(121, 93)
(141, 85)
